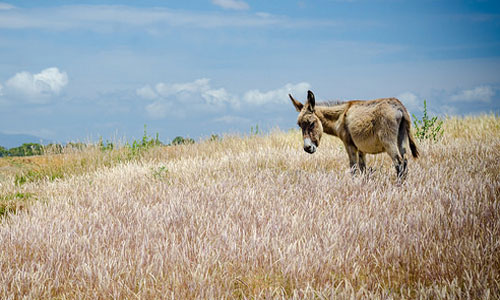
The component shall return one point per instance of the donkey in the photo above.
(374, 126)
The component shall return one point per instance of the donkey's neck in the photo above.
(331, 117)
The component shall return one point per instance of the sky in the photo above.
(78, 70)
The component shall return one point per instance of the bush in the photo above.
(179, 140)
(145, 143)
(215, 138)
(428, 128)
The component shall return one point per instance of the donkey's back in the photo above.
(375, 125)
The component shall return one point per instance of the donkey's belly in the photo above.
(369, 145)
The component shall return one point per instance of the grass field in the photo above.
(255, 217)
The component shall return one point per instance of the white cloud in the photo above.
(232, 4)
(448, 110)
(195, 87)
(218, 96)
(159, 109)
(110, 18)
(263, 14)
(6, 6)
(228, 119)
(174, 98)
(147, 92)
(478, 94)
(197, 94)
(280, 95)
(37, 87)
(410, 100)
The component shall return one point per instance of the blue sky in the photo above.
(74, 70)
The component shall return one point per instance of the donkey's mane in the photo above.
(331, 103)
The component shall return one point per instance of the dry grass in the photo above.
(257, 217)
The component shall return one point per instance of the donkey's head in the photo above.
(309, 122)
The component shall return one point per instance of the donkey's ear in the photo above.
(297, 104)
(311, 101)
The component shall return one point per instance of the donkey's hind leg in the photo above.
(352, 152)
(402, 138)
(361, 161)
(398, 161)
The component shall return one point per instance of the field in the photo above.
(255, 217)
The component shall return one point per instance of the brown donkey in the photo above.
(375, 126)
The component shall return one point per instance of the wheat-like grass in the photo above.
(257, 217)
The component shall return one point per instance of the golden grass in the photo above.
(257, 217)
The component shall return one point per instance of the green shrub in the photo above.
(3, 152)
(428, 128)
(27, 149)
(105, 146)
(254, 131)
(215, 138)
(137, 147)
(179, 140)
(160, 172)
(10, 203)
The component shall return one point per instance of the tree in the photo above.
(26, 149)
(3, 152)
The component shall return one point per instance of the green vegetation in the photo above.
(215, 138)
(27, 149)
(179, 140)
(10, 203)
(105, 146)
(428, 128)
(34, 175)
(160, 173)
(33, 163)
(254, 131)
(134, 148)
(137, 147)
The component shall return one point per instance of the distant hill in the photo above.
(15, 140)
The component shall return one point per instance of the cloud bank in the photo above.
(174, 99)
(477, 94)
(275, 96)
(105, 18)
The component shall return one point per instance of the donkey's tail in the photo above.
(413, 146)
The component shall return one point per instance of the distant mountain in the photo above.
(15, 140)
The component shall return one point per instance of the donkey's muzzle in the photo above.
(309, 146)
(310, 150)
